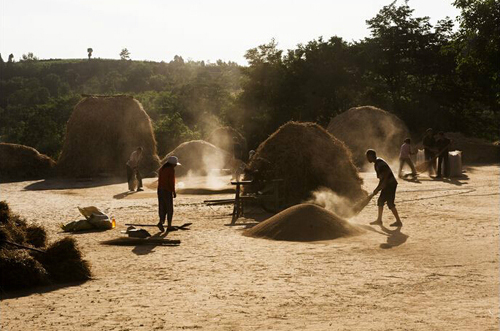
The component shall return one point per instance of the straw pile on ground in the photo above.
(367, 127)
(18, 162)
(101, 134)
(303, 222)
(198, 157)
(22, 268)
(474, 150)
(306, 157)
(223, 138)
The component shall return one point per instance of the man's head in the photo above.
(139, 149)
(371, 155)
(429, 132)
(407, 140)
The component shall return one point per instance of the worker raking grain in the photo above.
(303, 222)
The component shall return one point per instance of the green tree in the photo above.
(29, 57)
(125, 54)
(89, 52)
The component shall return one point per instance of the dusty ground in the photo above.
(441, 272)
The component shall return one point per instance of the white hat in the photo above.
(173, 160)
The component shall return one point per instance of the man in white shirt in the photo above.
(404, 157)
(133, 170)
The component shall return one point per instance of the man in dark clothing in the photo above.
(387, 185)
(429, 149)
(443, 147)
(166, 192)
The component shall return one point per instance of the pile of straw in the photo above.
(367, 127)
(223, 138)
(303, 222)
(19, 162)
(198, 157)
(306, 157)
(101, 134)
(43, 264)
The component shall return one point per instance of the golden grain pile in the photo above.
(307, 157)
(367, 127)
(303, 222)
(58, 262)
(198, 157)
(101, 134)
(18, 162)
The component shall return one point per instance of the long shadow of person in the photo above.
(394, 237)
(123, 195)
(146, 249)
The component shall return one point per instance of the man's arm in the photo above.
(383, 181)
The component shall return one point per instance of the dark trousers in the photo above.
(428, 154)
(133, 173)
(443, 158)
(165, 206)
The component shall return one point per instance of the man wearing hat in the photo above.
(166, 192)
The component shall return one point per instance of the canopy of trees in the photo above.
(441, 76)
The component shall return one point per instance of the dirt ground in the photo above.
(440, 272)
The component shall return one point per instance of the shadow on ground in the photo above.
(64, 183)
(37, 290)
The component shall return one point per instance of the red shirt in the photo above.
(166, 179)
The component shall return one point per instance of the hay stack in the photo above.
(304, 222)
(307, 157)
(101, 134)
(197, 157)
(474, 150)
(223, 138)
(18, 162)
(20, 268)
(367, 127)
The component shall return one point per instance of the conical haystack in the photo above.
(19, 162)
(199, 157)
(304, 222)
(367, 127)
(306, 157)
(101, 134)
(223, 138)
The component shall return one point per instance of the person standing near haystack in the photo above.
(166, 192)
(387, 185)
(443, 146)
(133, 170)
(404, 157)
(429, 149)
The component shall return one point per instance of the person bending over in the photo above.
(387, 187)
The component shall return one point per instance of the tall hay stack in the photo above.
(367, 127)
(101, 134)
(197, 157)
(307, 157)
(223, 138)
(18, 162)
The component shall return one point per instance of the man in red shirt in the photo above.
(166, 192)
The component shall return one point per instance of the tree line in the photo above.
(445, 76)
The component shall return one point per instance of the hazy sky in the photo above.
(195, 29)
